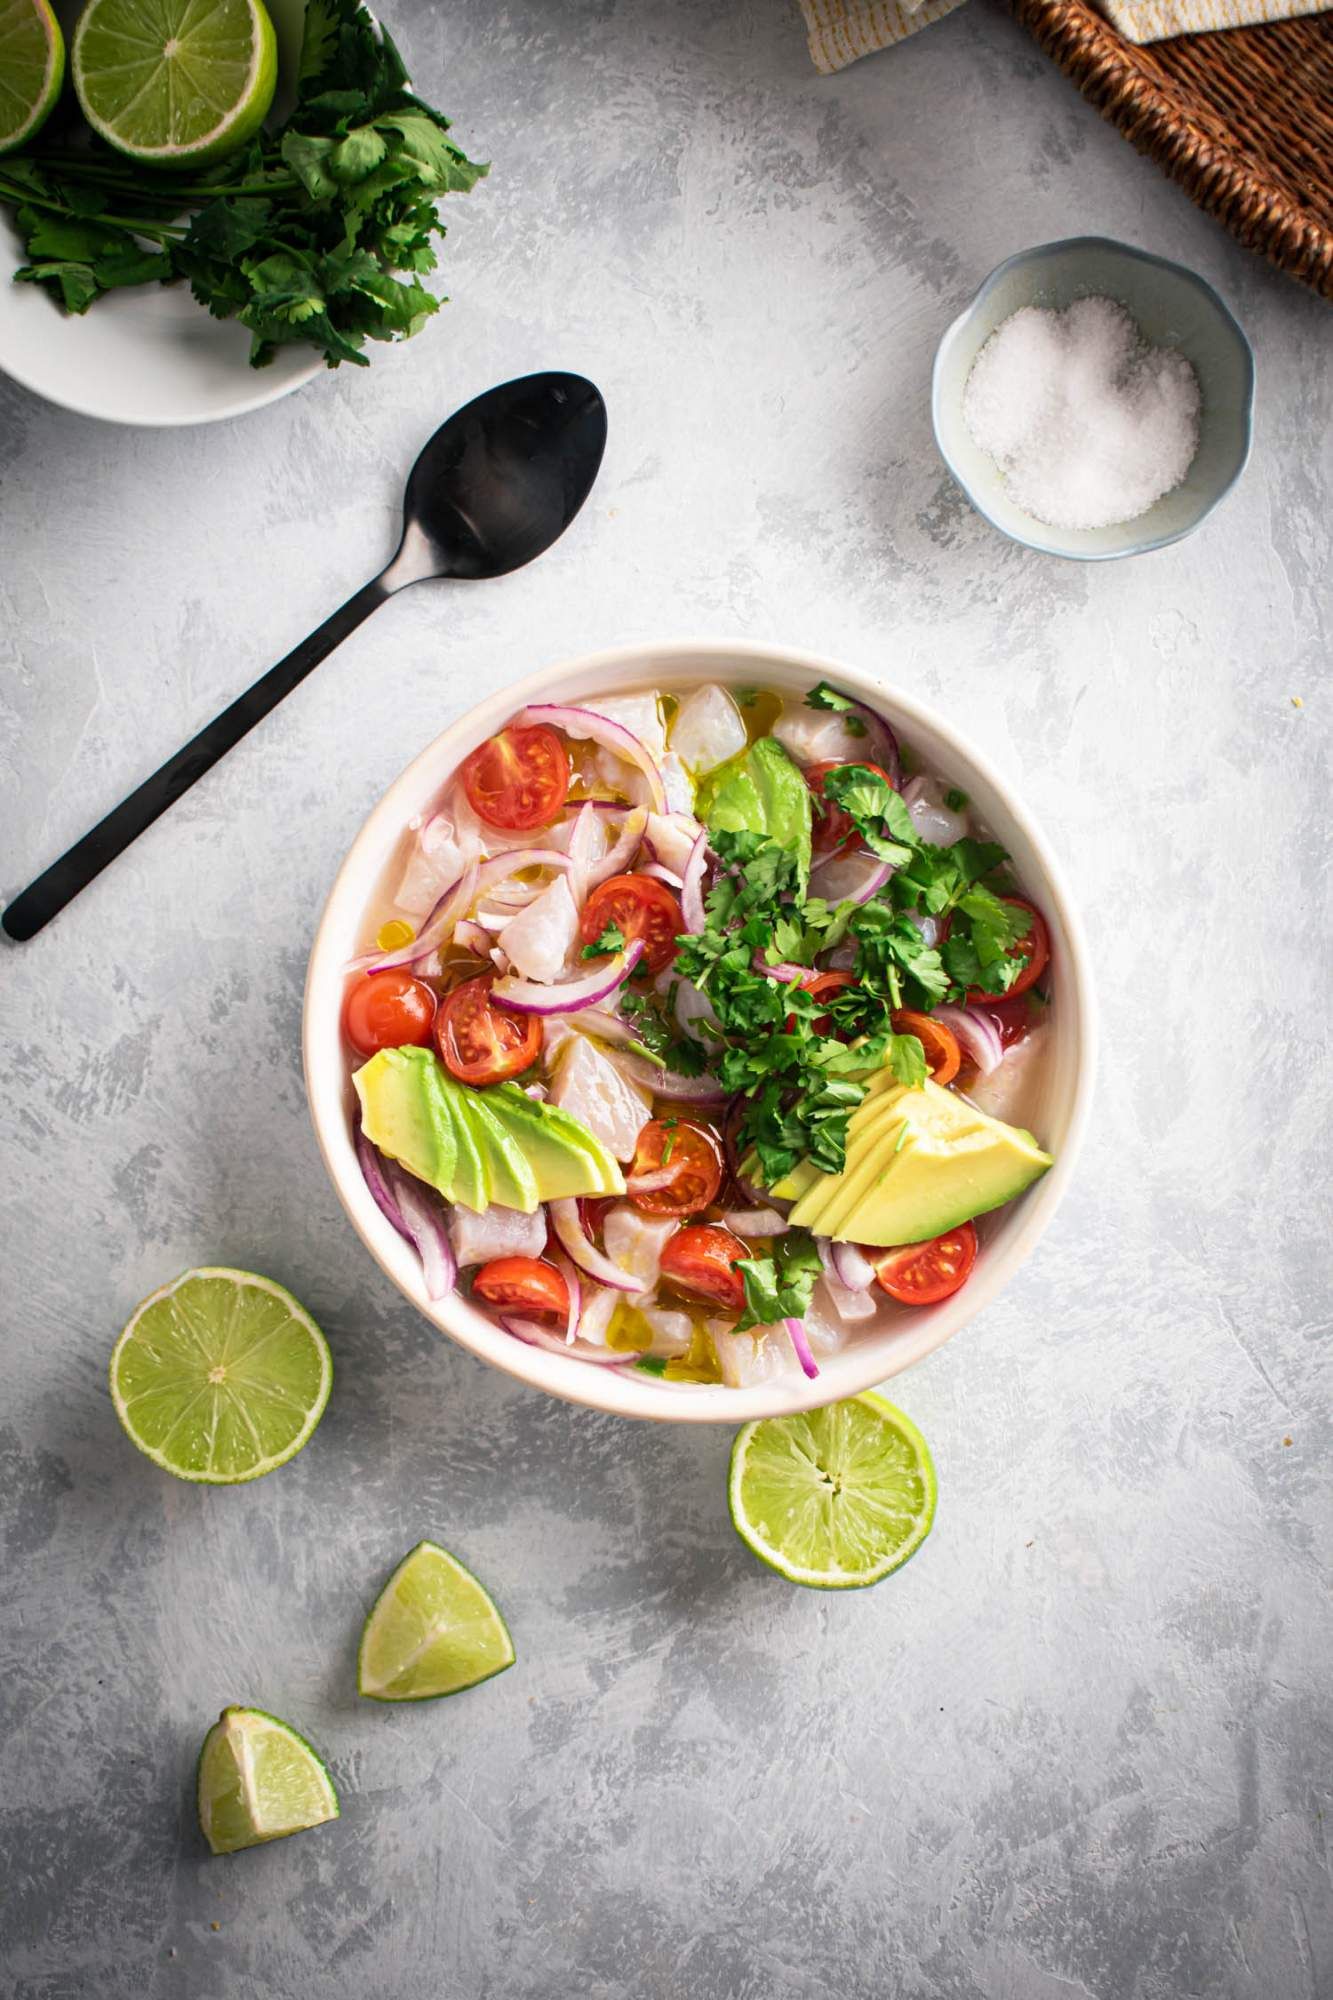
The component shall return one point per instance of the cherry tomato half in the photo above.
(479, 1041)
(692, 1157)
(832, 827)
(640, 907)
(522, 1284)
(700, 1259)
(943, 1056)
(388, 1010)
(921, 1274)
(518, 779)
(1034, 945)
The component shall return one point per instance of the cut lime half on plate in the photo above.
(433, 1631)
(259, 1780)
(221, 1376)
(32, 69)
(175, 83)
(835, 1498)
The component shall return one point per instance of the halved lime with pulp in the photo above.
(32, 69)
(175, 82)
(258, 1780)
(221, 1376)
(432, 1630)
(835, 1498)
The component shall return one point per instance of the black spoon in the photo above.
(498, 483)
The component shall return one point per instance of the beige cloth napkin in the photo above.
(840, 31)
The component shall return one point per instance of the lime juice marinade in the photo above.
(615, 975)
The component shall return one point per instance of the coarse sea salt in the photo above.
(1088, 423)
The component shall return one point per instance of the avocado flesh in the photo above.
(563, 1154)
(477, 1147)
(399, 1115)
(509, 1178)
(805, 1175)
(922, 1162)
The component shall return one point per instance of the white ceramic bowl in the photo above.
(1175, 308)
(147, 354)
(1069, 1060)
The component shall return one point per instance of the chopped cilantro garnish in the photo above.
(779, 1279)
(612, 939)
(955, 800)
(802, 1064)
(678, 1051)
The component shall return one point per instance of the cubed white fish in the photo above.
(590, 1088)
(540, 939)
(707, 729)
(636, 1242)
(496, 1232)
(819, 735)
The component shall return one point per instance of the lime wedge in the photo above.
(258, 1780)
(32, 69)
(432, 1631)
(221, 1376)
(835, 1498)
(175, 82)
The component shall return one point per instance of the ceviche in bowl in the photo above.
(699, 1032)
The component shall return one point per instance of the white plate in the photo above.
(147, 354)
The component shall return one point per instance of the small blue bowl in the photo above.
(1174, 308)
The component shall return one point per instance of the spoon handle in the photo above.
(62, 881)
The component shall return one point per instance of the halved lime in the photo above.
(432, 1630)
(175, 82)
(835, 1498)
(221, 1376)
(32, 69)
(258, 1780)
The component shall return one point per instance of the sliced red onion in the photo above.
(976, 1036)
(858, 877)
(571, 1277)
(886, 743)
(692, 887)
(666, 1082)
(735, 1112)
(854, 1270)
(786, 975)
(412, 1214)
(585, 725)
(500, 866)
(456, 901)
(568, 1226)
(624, 851)
(754, 1222)
(533, 1335)
(472, 937)
(660, 1177)
(526, 996)
(582, 839)
(796, 1334)
(610, 1028)
(660, 874)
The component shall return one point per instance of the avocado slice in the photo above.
(760, 791)
(563, 1154)
(919, 1162)
(509, 1178)
(400, 1116)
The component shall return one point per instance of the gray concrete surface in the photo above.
(1080, 1747)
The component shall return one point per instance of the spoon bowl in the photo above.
(501, 480)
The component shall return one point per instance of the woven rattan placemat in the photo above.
(1242, 119)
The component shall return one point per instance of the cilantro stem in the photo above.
(161, 230)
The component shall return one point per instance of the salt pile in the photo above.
(1088, 423)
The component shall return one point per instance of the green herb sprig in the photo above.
(317, 233)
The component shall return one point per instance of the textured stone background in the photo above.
(1081, 1746)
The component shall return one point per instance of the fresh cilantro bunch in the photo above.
(802, 1062)
(316, 233)
(778, 1280)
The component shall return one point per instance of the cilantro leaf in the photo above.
(876, 809)
(780, 1280)
(611, 940)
